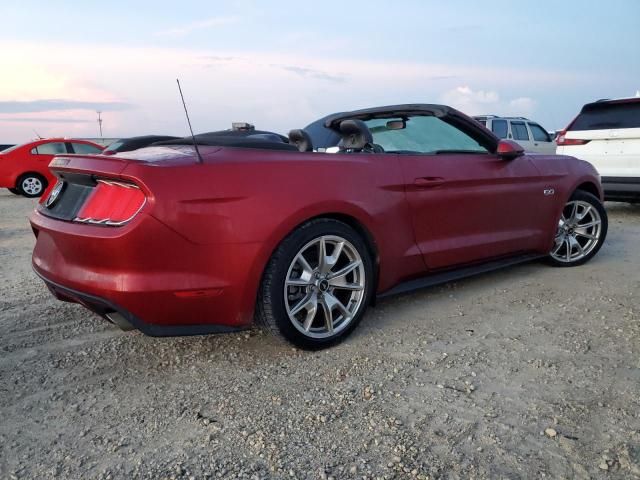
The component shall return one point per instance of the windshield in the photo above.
(421, 134)
(10, 149)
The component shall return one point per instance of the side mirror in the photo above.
(508, 150)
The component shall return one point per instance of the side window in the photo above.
(49, 149)
(85, 149)
(421, 134)
(519, 130)
(539, 134)
(499, 127)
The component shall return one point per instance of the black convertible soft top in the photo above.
(325, 131)
(237, 138)
(406, 110)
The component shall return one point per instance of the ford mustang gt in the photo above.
(175, 240)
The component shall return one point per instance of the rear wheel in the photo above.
(317, 285)
(31, 185)
(581, 231)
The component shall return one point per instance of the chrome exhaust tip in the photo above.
(119, 320)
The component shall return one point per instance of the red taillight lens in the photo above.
(562, 140)
(112, 203)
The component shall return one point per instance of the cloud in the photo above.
(471, 101)
(311, 73)
(273, 90)
(522, 105)
(218, 58)
(478, 102)
(56, 105)
(45, 120)
(183, 30)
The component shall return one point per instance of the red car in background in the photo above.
(171, 241)
(24, 169)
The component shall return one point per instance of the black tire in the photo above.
(14, 191)
(595, 203)
(27, 183)
(271, 310)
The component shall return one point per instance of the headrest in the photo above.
(301, 139)
(355, 135)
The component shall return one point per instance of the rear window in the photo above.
(606, 116)
(85, 148)
(113, 147)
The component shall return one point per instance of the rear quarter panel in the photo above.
(259, 196)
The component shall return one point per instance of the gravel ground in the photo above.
(531, 372)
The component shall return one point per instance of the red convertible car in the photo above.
(171, 241)
(24, 169)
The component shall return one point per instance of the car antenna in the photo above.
(193, 137)
(37, 134)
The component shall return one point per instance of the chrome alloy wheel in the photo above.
(32, 186)
(578, 232)
(324, 286)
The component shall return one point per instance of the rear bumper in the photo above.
(621, 188)
(154, 279)
(7, 181)
(127, 320)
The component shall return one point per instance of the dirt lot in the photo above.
(459, 381)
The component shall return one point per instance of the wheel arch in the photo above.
(34, 173)
(349, 214)
(589, 187)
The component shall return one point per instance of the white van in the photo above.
(606, 133)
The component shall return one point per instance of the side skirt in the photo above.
(458, 274)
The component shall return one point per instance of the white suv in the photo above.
(606, 133)
(530, 135)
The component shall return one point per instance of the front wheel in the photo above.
(317, 285)
(581, 230)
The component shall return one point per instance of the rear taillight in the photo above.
(112, 203)
(562, 140)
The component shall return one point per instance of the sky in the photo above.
(282, 64)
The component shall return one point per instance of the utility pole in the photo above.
(100, 122)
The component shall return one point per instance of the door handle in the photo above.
(428, 182)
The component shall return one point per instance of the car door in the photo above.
(43, 153)
(542, 142)
(469, 204)
(500, 128)
(520, 134)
